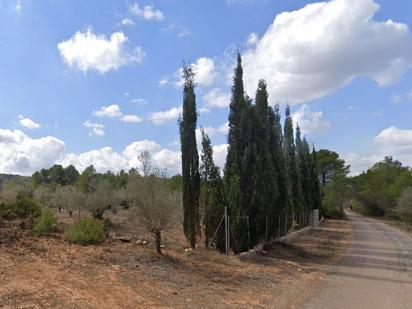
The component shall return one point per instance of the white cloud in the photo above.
(358, 163)
(111, 111)
(310, 121)
(127, 22)
(163, 81)
(211, 131)
(400, 98)
(20, 154)
(252, 39)
(216, 97)
(180, 30)
(162, 117)
(147, 12)
(204, 69)
(390, 141)
(311, 52)
(87, 51)
(219, 155)
(131, 118)
(18, 6)
(107, 159)
(95, 128)
(28, 123)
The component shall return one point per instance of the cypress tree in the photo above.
(190, 160)
(266, 195)
(212, 199)
(303, 157)
(315, 187)
(276, 150)
(289, 151)
(234, 172)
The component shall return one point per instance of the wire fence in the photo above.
(286, 222)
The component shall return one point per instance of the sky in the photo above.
(97, 82)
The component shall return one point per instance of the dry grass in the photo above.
(49, 272)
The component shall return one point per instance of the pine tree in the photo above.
(276, 149)
(190, 160)
(289, 151)
(266, 189)
(212, 200)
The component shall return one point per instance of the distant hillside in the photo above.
(15, 178)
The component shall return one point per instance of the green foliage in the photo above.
(190, 160)
(212, 199)
(46, 224)
(330, 165)
(379, 188)
(86, 231)
(56, 175)
(337, 193)
(404, 205)
(24, 207)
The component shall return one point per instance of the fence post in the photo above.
(226, 233)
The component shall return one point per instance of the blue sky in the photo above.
(95, 82)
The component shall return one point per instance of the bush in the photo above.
(404, 206)
(47, 223)
(24, 207)
(86, 231)
(331, 212)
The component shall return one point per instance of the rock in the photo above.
(139, 242)
(144, 242)
(162, 246)
(123, 238)
(188, 250)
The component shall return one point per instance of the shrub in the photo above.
(331, 212)
(24, 207)
(404, 206)
(86, 231)
(47, 223)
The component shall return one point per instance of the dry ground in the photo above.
(52, 273)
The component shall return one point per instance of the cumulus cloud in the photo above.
(127, 22)
(309, 53)
(211, 131)
(95, 128)
(131, 118)
(390, 141)
(252, 39)
(87, 51)
(107, 159)
(216, 97)
(204, 69)
(111, 111)
(159, 118)
(310, 121)
(20, 154)
(219, 155)
(28, 123)
(146, 12)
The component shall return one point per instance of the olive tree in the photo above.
(151, 203)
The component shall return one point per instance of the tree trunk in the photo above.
(158, 241)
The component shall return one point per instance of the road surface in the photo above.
(375, 272)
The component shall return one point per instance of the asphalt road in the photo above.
(375, 272)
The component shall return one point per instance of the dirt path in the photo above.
(375, 272)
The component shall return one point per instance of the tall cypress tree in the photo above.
(239, 113)
(266, 195)
(303, 159)
(190, 160)
(212, 199)
(276, 149)
(289, 151)
(315, 187)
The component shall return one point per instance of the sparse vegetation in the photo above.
(46, 224)
(86, 231)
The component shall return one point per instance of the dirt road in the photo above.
(375, 272)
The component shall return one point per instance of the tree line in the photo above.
(270, 179)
